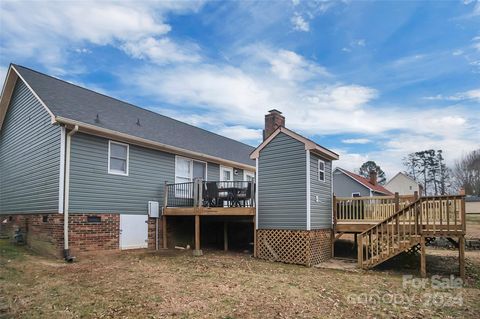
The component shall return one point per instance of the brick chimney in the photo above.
(373, 177)
(273, 120)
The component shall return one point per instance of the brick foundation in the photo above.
(44, 232)
(301, 247)
(152, 232)
(85, 236)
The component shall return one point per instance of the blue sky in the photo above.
(370, 80)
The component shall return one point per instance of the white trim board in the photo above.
(61, 178)
(256, 193)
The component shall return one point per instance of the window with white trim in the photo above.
(118, 158)
(321, 170)
(355, 194)
(187, 169)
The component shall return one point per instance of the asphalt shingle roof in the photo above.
(76, 103)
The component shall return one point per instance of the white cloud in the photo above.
(55, 27)
(467, 95)
(284, 64)
(3, 75)
(299, 23)
(476, 43)
(239, 132)
(162, 51)
(83, 51)
(232, 98)
(356, 141)
(358, 43)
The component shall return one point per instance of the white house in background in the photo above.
(403, 185)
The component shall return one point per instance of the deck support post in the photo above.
(334, 224)
(164, 232)
(197, 251)
(225, 236)
(461, 256)
(397, 202)
(423, 258)
(360, 252)
(254, 237)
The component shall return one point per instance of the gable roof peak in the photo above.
(309, 144)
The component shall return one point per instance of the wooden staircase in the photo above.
(411, 227)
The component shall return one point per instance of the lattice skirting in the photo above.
(295, 246)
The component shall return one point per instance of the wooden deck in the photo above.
(209, 211)
(214, 198)
(387, 226)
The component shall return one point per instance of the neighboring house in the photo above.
(294, 206)
(472, 204)
(66, 149)
(403, 185)
(348, 184)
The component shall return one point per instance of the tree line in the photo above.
(429, 169)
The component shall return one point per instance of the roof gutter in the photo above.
(66, 248)
(103, 132)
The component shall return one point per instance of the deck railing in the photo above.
(366, 209)
(426, 217)
(200, 193)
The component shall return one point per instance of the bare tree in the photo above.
(428, 167)
(466, 173)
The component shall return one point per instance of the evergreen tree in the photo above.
(369, 166)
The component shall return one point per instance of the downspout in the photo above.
(66, 250)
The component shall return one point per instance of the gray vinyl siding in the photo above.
(29, 156)
(282, 191)
(213, 172)
(92, 189)
(239, 176)
(344, 186)
(321, 211)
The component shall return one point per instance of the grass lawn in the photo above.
(473, 226)
(217, 285)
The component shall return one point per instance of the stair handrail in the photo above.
(417, 215)
(398, 212)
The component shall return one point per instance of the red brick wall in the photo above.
(151, 233)
(46, 236)
(86, 236)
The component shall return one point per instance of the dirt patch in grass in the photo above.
(217, 285)
(473, 226)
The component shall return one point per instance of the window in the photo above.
(226, 173)
(45, 218)
(355, 194)
(410, 187)
(186, 170)
(321, 170)
(248, 176)
(117, 158)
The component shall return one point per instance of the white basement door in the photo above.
(133, 231)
